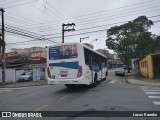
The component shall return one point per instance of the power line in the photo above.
(74, 34)
(57, 11)
(140, 3)
(33, 40)
(17, 20)
(81, 24)
(107, 10)
(148, 10)
(26, 19)
(103, 25)
(20, 4)
(11, 2)
(87, 32)
(23, 32)
(125, 12)
(100, 20)
(121, 13)
(14, 30)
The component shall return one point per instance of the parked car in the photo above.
(120, 72)
(26, 76)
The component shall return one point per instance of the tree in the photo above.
(127, 38)
(145, 44)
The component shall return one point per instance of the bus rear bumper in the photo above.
(77, 81)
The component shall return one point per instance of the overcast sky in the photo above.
(92, 18)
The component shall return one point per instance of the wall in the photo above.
(146, 67)
(9, 77)
(12, 75)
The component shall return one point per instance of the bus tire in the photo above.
(106, 75)
(95, 81)
(69, 85)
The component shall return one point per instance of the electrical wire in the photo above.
(108, 11)
(20, 4)
(86, 23)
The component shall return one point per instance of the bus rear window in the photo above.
(63, 52)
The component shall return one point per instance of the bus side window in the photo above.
(87, 59)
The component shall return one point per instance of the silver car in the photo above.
(26, 76)
(120, 72)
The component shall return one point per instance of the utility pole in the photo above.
(68, 30)
(83, 38)
(3, 48)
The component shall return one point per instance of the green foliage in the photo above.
(131, 40)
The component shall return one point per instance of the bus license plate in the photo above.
(64, 75)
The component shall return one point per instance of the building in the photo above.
(149, 66)
(103, 51)
(113, 59)
(26, 58)
(31, 53)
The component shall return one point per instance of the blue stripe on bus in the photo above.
(72, 65)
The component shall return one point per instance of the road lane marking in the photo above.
(30, 95)
(65, 96)
(13, 88)
(154, 97)
(152, 92)
(143, 87)
(113, 81)
(156, 102)
(149, 88)
(40, 108)
(5, 90)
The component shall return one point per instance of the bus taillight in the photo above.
(79, 74)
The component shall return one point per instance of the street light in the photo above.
(93, 41)
(83, 39)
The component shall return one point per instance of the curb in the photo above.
(136, 82)
(13, 85)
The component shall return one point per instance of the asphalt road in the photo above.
(110, 95)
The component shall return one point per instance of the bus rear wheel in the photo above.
(95, 81)
(106, 75)
(69, 85)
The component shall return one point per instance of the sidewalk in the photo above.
(137, 79)
(24, 84)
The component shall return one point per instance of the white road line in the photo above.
(5, 90)
(152, 92)
(156, 102)
(142, 87)
(13, 88)
(154, 97)
(148, 87)
(113, 81)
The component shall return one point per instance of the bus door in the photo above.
(91, 66)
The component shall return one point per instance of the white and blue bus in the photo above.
(75, 64)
